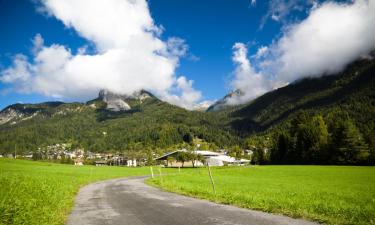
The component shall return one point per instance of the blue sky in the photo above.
(209, 28)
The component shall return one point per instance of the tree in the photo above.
(37, 156)
(284, 149)
(150, 158)
(170, 160)
(312, 137)
(320, 132)
(348, 146)
(192, 157)
(182, 157)
(236, 152)
(188, 138)
(201, 158)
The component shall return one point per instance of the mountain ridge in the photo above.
(152, 123)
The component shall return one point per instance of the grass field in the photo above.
(327, 194)
(43, 193)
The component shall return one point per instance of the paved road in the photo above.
(130, 201)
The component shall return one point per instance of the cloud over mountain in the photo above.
(332, 36)
(129, 54)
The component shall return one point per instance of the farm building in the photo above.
(219, 159)
(169, 159)
(210, 158)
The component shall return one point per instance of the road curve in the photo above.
(130, 201)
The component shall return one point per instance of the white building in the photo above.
(219, 159)
(131, 163)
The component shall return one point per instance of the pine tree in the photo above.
(348, 144)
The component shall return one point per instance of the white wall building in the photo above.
(131, 163)
(219, 159)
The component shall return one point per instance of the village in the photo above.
(64, 153)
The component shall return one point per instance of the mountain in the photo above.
(223, 103)
(113, 122)
(325, 120)
(137, 122)
(352, 91)
(21, 112)
(290, 119)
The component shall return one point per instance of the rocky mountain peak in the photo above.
(119, 102)
(222, 103)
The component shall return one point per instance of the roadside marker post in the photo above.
(212, 180)
(152, 172)
(179, 169)
(161, 179)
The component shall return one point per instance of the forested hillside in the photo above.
(299, 123)
(150, 124)
(337, 103)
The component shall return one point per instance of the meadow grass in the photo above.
(327, 194)
(43, 193)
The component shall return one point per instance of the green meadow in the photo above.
(43, 193)
(326, 194)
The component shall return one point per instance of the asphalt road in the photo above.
(130, 201)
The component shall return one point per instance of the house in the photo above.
(78, 162)
(28, 156)
(131, 163)
(225, 160)
(169, 159)
(100, 163)
(220, 159)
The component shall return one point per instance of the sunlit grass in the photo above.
(328, 194)
(43, 193)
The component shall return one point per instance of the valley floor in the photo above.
(326, 194)
(43, 193)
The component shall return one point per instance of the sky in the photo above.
(187, 52)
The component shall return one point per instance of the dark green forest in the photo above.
(324, 120)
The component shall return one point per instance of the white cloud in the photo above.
(261, 52)
(253, 2)
(19, 72)
(332, 36)
(177, 47)
(38, 43)
(129, 54)
(280, 10)
(188, 97)
(246, 79)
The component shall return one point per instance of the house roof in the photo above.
(165, 156)
(207, 153)
(210, 154)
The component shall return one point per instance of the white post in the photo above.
(161, 179)
(212, 180)
(152, 172)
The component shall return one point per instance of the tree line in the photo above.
(314, 139)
